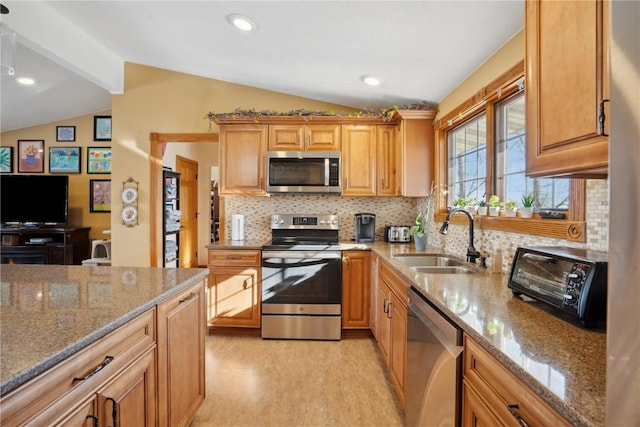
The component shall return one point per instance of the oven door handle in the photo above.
(301, 254)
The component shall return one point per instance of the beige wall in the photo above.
(79, 214)
(506, 57)
(163, 101)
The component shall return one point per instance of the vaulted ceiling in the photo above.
(421, 50)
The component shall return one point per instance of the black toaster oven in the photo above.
(573, 280)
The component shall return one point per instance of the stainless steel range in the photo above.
(302, 278)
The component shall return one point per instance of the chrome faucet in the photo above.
(472, 253)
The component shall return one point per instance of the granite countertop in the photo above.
(49, 312)
(562, 362)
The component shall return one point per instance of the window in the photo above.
(511, 181)
(480, 148)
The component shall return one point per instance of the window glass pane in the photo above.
(468, 164)
(511, 180)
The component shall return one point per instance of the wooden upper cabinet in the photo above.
(242, 159)
(358, 160)
(567, 81)
(388, 162)
(308, 137)
(416, 152)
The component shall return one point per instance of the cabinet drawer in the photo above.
(500, 389)
(96, 364)
(226, 258)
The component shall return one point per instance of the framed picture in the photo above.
(99, 195)
(64, 159)
(6, 159)
(102, 128)
(31, 156)
(66, 133)
(98, 159)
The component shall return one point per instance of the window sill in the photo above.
(574, 231)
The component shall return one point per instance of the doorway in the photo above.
(158, 141)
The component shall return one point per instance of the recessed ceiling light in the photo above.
(27, 81)
(241, 22)
(371, 80)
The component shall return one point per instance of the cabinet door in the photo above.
(355, 289)
(387, 161)
(286, 138)
(358, 160)
(242, 159)
(322, 137)
(181, 353)
(234, 297)
(130, 398)
(475, 413)
(384, 324)
(398, 356)
(567, 38)
(373, 291)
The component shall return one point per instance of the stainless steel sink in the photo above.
(445, 270)
(428, 260)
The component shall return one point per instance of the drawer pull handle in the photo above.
(97, 369)
(233, 257)
(191, 296)
(385, 306)
(513, 409)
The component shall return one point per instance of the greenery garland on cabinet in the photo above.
(385, 114)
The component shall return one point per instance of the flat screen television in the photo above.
(34, 200)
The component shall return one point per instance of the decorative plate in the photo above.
(129, 214)
(129, 195)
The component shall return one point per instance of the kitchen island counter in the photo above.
(51, 312)
(562, 362)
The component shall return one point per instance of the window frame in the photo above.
(572, 228)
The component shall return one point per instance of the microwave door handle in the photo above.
(326, 172)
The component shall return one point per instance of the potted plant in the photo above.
(482, 207)
(494, 205)
(510, 208)
(527, 206)
(417, 230)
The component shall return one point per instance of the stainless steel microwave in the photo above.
(303, 172)
(573, 280)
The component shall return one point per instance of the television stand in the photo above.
(44, 245)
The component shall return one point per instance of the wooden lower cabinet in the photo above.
(148, 372)
(392, 326)
(494, 396)
(356, 273)
(234, 288)
(130, 398)
(181, 349)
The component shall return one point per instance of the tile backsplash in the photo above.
(258, 211)
(401, 211)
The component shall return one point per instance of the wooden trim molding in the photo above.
(156, 215)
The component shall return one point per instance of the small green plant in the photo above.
(494, 201)
(527, 201)
(418, 227)
(460, 203)
(510, 204)
(482, 203)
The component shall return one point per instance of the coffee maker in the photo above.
(365, 226)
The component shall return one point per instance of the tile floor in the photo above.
(256, 382)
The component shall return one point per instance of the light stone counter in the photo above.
(561, 361)
(49, 312)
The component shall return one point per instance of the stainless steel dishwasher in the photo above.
(434, 366)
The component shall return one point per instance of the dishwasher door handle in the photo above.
(445, 332)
